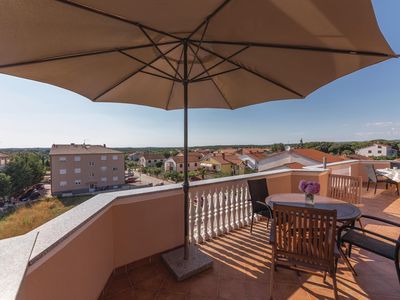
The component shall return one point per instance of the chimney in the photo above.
(324, 162)
(104, 145)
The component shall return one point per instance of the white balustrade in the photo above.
(217, 209)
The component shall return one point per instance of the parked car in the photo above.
(130, 179)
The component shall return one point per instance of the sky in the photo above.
(361, 106)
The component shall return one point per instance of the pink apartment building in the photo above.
(85, 168)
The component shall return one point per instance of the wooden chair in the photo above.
(345, 188)
(258, 192)
(304, 238)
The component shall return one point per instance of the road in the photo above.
(144, 179)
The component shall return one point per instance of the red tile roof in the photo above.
(294, 165)
(317, 155)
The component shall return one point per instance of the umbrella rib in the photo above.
(115, 17)
(297, 47)
(158, 75)
(173, 83)
(159, 50)
(220, 62)
(150, 66)
(212, 80)
(209, 17)
(208, 77)
(254, 73)
(131, 74)
(90, 53)
(197, 50)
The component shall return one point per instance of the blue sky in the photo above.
(364, 105)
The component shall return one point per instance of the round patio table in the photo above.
(346, 212)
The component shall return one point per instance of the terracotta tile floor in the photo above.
(241, 269)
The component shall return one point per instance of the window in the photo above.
(115, 157)
(369, 151)
(104, 179)
(149, 161)
(91, 174)
(77, 181)
(62, 158)
(195, 164)
(63, 183)
(77, 158)
(104, 157)
(181, 165)
(63, 171)
(103, 168)
(115, 178)
(91, 163)
(379, 151)
(379, 147)
(77, 170)
(115, 169)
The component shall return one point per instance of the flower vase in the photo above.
(309, 198)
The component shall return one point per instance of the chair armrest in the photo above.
(397, 242)
(380, 220)
(263, 204)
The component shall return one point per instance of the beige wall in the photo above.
(78, 270)
(70, 165)
(146, 228)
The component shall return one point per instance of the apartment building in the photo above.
(377, 150)
(151, 160)
(77, 168)
(176, 163)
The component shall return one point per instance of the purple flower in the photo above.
(302, 185)
(309, 187)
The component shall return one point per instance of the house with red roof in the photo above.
(296, 159)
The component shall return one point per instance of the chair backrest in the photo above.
(305, 236)
(258, 190)
(394, 165)
(345, 188)
(371, 172)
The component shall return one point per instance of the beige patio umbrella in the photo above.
(189, 54)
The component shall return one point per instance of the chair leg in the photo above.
(376, 185)
(271, 280)
(324, 277)
(398, 191)
(359, 222)
(368, 185)
(334, 285)
(251, 224)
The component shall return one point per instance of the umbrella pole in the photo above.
(185, 150)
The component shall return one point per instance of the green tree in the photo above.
(278, 147)
(5, 185)
(25, 170)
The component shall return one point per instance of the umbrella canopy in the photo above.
(239, 52)
(232, 53)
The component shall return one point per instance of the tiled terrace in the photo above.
(241, 269)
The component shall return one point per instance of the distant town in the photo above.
(75, 169)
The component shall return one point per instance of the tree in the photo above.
(5, 185)
(25, 170)
(278, 147)
(301, 143)
(159, 164)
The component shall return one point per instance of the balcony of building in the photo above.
(109, 247)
